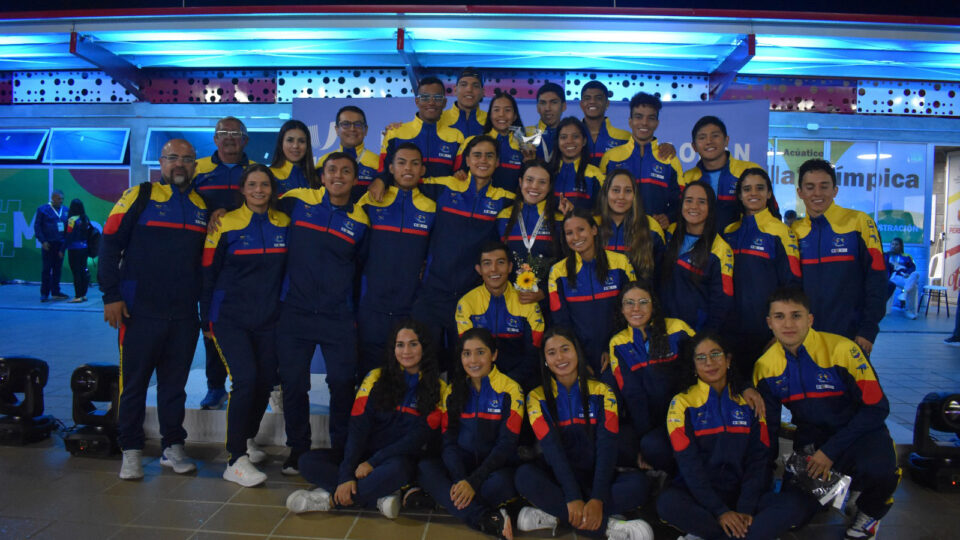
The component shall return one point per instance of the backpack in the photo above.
(93, 240)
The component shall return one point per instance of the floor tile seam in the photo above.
(152, 527)
(278, 523)
(356, 519)
(41, 529)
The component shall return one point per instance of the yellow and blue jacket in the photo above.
(219, 183)
(577, 448)
(326, 245)
(589, 308)
(468, 123)
(721, 448)
(660, 182)
(609, 138)
(701, 297)
(646, 384)
(243, 265)
(830, 388)
(582, 196)
(289, 176)
(487, 430)
(843, 271)
(619, 242)
(546, 242)
(726, 188)
(466, 219)
(399, 236)
(507, 174)
(766, 257)
(368, 166)
(375, 435)
(517, 327)
(152, 261)
(439, 144)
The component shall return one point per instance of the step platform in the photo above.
(211, 426)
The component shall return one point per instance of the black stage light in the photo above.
(23, 421)
(935, 461)
(96, 431)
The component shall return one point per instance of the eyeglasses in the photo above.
(348, 125)
(630, 303)
(716, 356)
(231, 134)
(173, 158)
(430, 97)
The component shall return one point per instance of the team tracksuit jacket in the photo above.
(517, 327)
(480, 447)
(289, 176)
(565, 184)
(439, 144)
(660, 182)
(469, 123)
(609, 138)
(838, 406)
(701, 297)
(844, 274)
(726, 188)
(590, 307)
(219, 183)
(766, 257)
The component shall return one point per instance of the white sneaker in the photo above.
(912, 315)
(175, 457)
(132, 466)
(635, 529)
(535, 519)
(303, 500)
(863, 527)
(254, 452)
(244, 473)
(389, 506)
(689, 537)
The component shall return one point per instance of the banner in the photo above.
(25, 189)
(746, 122)
(951, 273)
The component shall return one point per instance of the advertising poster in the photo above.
(951, 274)
(25, 189)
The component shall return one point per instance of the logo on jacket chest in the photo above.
(738, 417)
(657, 171)
(839, 245)
(758, 244)
(445, 151)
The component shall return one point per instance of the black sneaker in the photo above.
(496, 523)
(418, 499)
(291, 467)
(952, 341)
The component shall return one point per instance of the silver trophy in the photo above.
(528, 138)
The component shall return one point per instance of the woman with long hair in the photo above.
(767, 257)
(696, 278)
(75, 237)
(393, 414)
(583, 287)
(529, 226)
(293, 158)
(722, 448)
(244, 261)
(502, 115)
(645, 370)
(483, 413)
(577, 180)
(574, 418)
(625, 226)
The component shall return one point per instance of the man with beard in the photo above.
(150, 277)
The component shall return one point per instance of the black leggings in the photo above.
(81, 275)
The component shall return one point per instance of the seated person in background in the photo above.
(903, 275)
(722, 450)
(393, 413)
(837, 405)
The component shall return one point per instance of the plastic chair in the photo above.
(935, 285)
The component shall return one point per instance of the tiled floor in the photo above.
(46, 493)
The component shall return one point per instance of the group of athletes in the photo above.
(528, 336)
